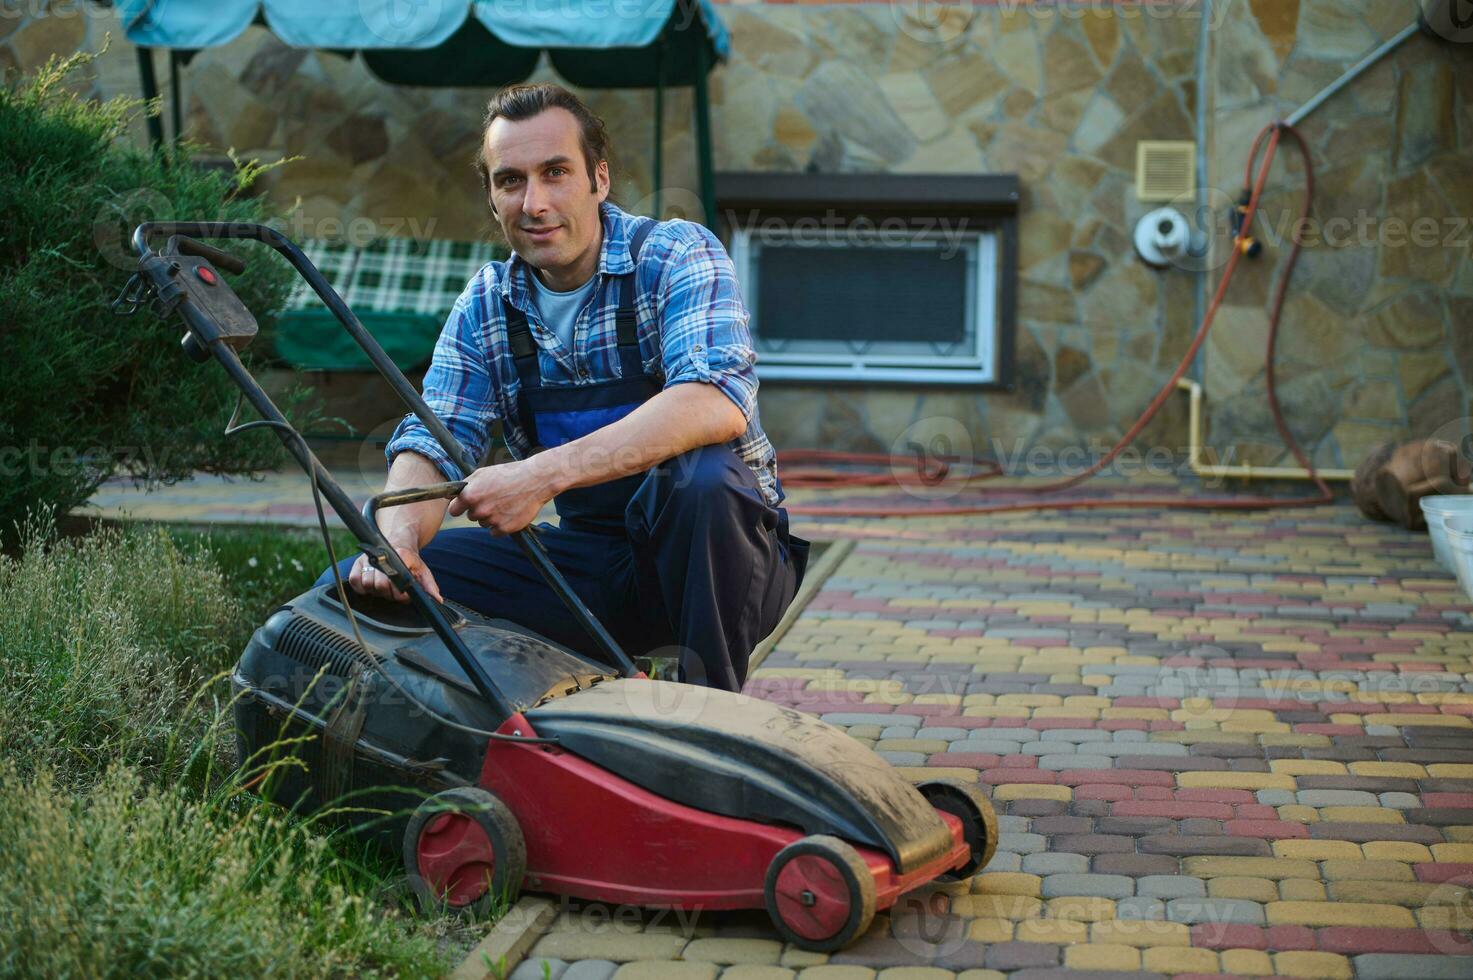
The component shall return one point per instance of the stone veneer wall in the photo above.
(1377, 333)
(1058, 94)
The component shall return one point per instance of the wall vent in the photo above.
(1165, 170)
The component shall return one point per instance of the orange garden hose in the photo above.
(810, 477)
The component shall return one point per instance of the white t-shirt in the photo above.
(559, 311)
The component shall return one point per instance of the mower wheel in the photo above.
(464, 849)
(820, 893)
(979, 821)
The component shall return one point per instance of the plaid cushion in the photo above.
(397, 275)
(334, 259)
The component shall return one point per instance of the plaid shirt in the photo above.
(692, 327)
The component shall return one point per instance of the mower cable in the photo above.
(367, 657)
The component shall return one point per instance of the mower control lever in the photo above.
(414, 495)
(397, 498)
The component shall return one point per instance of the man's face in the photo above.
(540, 189)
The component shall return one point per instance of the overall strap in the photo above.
(523, 347)
(626, 322)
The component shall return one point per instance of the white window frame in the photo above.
(975, 366)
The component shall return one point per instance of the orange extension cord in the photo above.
(798, 471)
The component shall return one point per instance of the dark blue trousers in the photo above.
(703, 569)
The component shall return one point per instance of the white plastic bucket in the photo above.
(1437, 507)
(1460, 542)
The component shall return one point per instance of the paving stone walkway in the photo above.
(1219, 744)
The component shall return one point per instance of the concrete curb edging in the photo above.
(508, 942)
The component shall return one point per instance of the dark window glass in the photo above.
(861, 293)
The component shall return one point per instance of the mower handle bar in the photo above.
(185, 245)
(371, 540)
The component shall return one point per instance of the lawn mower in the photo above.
(501, 760)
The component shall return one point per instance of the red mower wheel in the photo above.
(971, 806)
(464, 849)
(820, 893)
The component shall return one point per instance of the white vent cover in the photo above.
(1165, 170)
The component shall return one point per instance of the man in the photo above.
(644, 433)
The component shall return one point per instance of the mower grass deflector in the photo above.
(499, 758)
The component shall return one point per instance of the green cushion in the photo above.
(314, 340)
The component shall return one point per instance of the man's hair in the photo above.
(518, 102)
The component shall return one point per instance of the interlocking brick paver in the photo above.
(836, 972)
(735, 950)
(1102, 956)
(1316, 850)
(1142, 933)
(750, 971)
(1246, 962)
(1179, 959)
(1008, 883)
(1055, 864)
(590, 970)
(1218, 744)
(1020, 955)
(1307, 964)
(616, 946)
(1102, 886)
(1194, 911)
(1338, 914)
(1251, 889)
(666, 970)
(533, 969)
(1171, 886)
(1382, 966)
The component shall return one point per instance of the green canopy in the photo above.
(465, 43)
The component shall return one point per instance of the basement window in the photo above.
(875, 278)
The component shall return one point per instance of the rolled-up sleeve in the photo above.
(458, 389)
(703, 321)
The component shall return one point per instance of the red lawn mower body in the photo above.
(671, 796)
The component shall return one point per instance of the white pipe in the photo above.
(1391, 45)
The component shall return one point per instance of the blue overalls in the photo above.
(686, 560)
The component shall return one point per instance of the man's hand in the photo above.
(366, 579)
(506, 497)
